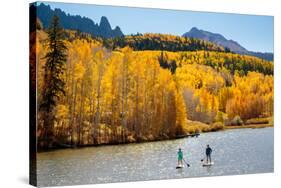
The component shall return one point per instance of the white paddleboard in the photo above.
(207, 164)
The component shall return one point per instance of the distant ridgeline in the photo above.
(221, 40)
(231, 55)
(193, 40)
(83, 24)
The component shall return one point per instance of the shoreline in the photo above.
(251, 126)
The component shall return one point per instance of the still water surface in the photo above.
(240, 151)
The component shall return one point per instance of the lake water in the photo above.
(240, 151)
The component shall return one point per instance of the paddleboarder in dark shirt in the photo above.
(208, 153)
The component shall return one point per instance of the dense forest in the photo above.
(152, 41)
(141, 88)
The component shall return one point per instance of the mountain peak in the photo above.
(215, 38)
(117, 29)
(104, 23)
(107, 31)
(222, 41)
(194, 29)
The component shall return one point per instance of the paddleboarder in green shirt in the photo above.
(180, 157)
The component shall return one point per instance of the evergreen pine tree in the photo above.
(53, 82)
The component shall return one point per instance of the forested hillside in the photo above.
(234, 63)
(152, 41)
(92, 91)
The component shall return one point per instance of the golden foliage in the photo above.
(124, 95)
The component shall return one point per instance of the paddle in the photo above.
(186, 163)
(202, 159)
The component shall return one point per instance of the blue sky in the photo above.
(253, 32)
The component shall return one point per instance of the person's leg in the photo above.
(207, 156)
(210, 158)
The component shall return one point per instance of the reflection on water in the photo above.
(234, 152)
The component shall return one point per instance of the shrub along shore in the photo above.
(197, 127)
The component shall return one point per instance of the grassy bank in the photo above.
(193, 127)
(253, 126)
(253, 123)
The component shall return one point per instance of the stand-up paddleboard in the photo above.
(207, 164)
(179, 166)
